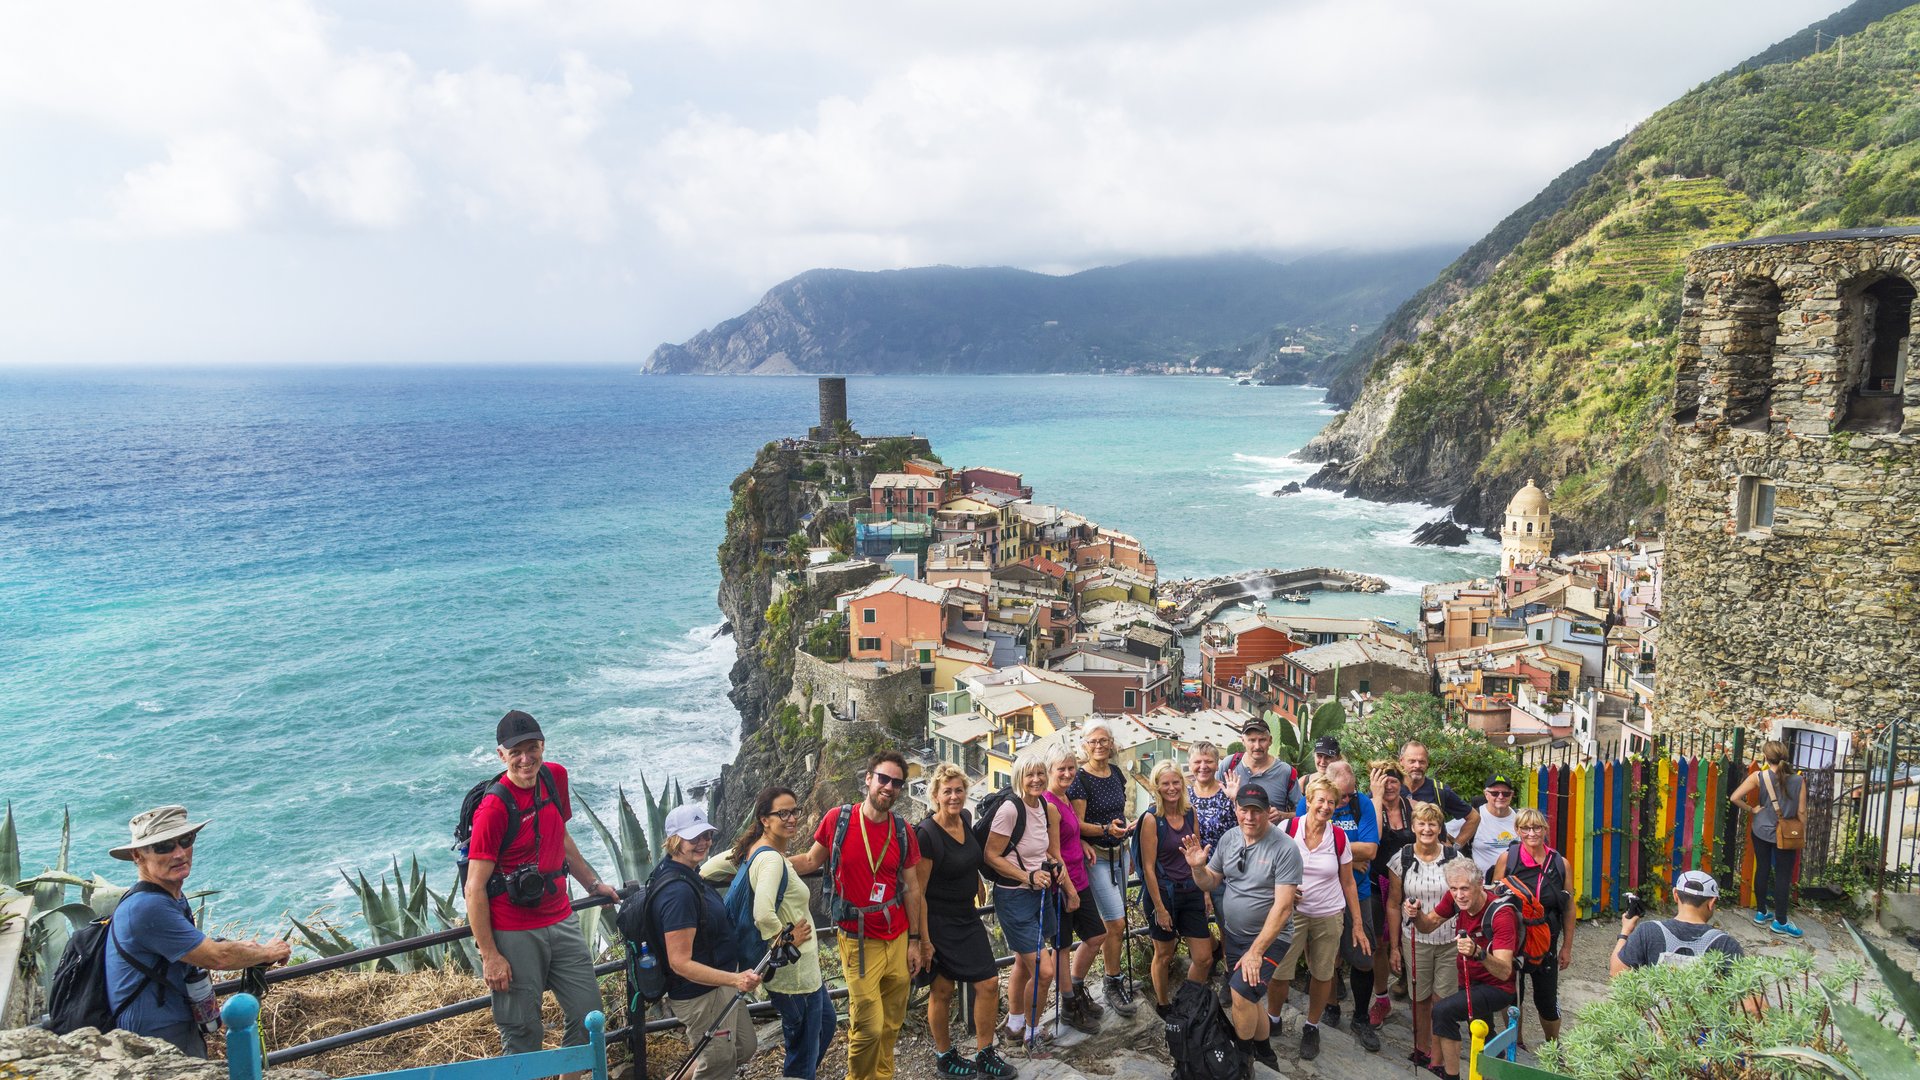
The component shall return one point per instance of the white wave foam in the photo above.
(150, 706)
(701, 655)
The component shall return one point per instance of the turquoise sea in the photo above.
(298, 601)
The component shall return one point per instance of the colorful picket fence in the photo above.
(1595, 810)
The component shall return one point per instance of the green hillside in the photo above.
(1558, 361)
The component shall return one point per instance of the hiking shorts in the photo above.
(1317, 939)
(1236, 948)
(1188, 911)
(1020, 912)
(1107, 870)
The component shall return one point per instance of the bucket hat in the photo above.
(155, 826)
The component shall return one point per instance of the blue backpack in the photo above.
(747, 940)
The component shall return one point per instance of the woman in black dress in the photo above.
(948, 874)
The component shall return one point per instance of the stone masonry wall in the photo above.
(1821, 615)
(895, 698)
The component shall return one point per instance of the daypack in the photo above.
(839, 908)
(751, 946)
(1535, 946)
(1685, 952)
(983, 829)
(646, 947)
(1339, 836)
(1403, 859)
(463, 826)
(1200, 1038)
(77, 995)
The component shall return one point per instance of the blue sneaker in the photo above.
(1786, 928)
(1762, 917)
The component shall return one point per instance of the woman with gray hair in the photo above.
(1487, 937)
(1100, 799)
(1023, 858)
(1081, 919)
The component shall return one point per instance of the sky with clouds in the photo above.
(475, 181)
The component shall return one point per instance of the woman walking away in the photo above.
(780, 897)
(1178, 906)
(1329, 902)
(704, 971)
(1771, 795)
(1542, 871)
(1099, 798)
(949, 873)
(1388, 786)
(1082, 920)
(1417, 875)
(1024, 905)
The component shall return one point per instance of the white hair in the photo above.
(1097, 724)
(1030, 760)
(1061, 752)
(1461, 867)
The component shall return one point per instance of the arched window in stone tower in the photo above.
(1881, 324)
(1753, 314)
(1686, 381)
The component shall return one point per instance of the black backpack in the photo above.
(77, 995)
(646, 948)
(1201, 1041)
(463, 826)
(983, 828)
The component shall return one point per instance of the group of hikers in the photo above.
(1258, 868)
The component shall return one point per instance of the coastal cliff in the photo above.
(1548, 349)
(790, 488)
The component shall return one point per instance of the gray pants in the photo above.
(734, 1040)
(550, 958)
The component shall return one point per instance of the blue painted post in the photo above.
(597, 1038)
(241, 1014)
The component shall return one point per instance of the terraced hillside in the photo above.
(1556, 360)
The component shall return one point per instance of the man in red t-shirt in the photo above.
(883, 904)
(528, 938)
(1488, 937)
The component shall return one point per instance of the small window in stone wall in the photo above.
(1753, 317)
(1882, 323)
(1753, 506)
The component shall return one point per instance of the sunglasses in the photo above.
(165, 847)
(890, 781)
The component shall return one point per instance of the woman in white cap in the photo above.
(156, 948)
(704, 970)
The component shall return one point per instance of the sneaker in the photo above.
(1309, 1042)
(1366, 1035)
(1382, 1008)
(952, 1064)
(1786, 929)
(1118, 999)
(1762, 917)
(988, 1062)
(1330, 1015)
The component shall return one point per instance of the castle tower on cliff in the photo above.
(1527, 537)
(833, 407)
(1793, 514)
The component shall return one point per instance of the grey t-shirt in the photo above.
(1648, 942)
(1280, 780)
(1275, 860)
(1766, 824)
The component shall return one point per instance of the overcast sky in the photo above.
(406, 181)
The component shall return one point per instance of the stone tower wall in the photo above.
(1821, 614)
(833, 401)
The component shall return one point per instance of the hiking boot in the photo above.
(1087, 1003)
(1786, 929)
(1366, 1035)
(952, 1064)
(1077, 1015)
(1118, 999)
(1309, 1042)
(1330, 1015)
(1382, 1008)
(988, 1062)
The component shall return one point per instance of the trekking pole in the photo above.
(771, 960)
(1060, 942)
(1033, 1010)
(1126, 915)
(1413, 987)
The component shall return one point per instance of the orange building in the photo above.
(896, 619)
(1229, 646)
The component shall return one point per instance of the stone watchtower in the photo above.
(833, 407)
(1793, 514)
(1527, 537)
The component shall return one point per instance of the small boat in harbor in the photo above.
(1295, 597)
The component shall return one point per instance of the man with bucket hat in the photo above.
(153, 947)
(523, 922)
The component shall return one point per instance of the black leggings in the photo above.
(1490, 1003)
(1772, 867)
(1546, 987)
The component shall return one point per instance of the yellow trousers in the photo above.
(876, 1004)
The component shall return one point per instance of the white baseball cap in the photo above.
(1697, 883)
(688, 821)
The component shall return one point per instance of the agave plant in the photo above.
(1294, 741)
(631, 854)
(1877, 1044)
(406, 907)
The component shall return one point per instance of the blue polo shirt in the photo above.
(156, 930)
(1357, 818)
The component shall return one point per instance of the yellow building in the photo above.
(1527, 537)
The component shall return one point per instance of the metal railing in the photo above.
(635, 1040)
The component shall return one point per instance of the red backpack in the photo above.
(1536, 932)
(1339, 835)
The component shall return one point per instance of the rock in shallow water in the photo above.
(1444, 532)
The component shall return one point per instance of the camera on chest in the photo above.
(526, 886)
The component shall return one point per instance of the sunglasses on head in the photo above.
(165, 847)
(890, 781)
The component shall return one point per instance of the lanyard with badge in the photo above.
(873, 861)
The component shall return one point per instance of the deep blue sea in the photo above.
(298, 601)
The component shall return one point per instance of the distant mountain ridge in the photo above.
(1547, 350)
(1001, 320)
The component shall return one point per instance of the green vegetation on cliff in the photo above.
(1558, 362)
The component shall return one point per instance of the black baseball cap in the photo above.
(1255, 724)
(1253, 795)
(515, 728)
(1499, 778)
(1328, 745)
